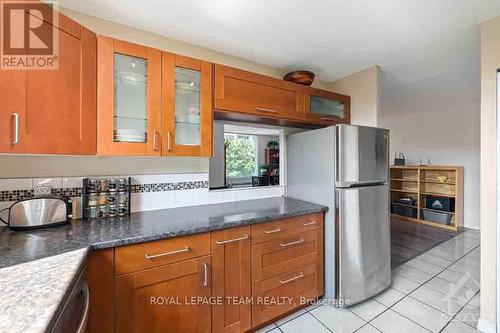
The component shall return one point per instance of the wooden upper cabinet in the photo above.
(231, 276)
(186, 106)
(327, 107)
(245, 92)
(164, 299)
(53, 111)
(128, 99)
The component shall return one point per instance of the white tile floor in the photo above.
(436, 292)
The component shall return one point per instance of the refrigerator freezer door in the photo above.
(363, 262)
(362, 155)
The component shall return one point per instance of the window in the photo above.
(241, 155)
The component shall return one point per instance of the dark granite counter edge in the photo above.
(180, 233)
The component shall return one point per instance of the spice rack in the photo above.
(421, 185)
(106, 197)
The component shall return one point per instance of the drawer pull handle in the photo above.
(300, 276)
(231, 240)
(15, 125)
(292, 243)
(272, 231)
(266, 110)
(309, 223)
(169, 141)
(186, 249)
(205, 274)
(155, 140)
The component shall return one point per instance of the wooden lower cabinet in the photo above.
(286, 273)
(144, 301)
(231, 279)
(282, 293)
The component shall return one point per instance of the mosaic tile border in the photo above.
(14, 195)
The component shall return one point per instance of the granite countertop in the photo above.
(31, 293)
(38, 267)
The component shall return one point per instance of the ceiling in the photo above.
(332, 37)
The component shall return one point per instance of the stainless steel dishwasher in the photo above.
(74, 314)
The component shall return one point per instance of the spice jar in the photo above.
(112, 211)
(112, 198)
(103, 185)
(93, 212)
(103, 199)
(122, 198)
(112, 185)
(103, 211)
(93, 200)
(122, 184)
(122, 211)
(93, 185)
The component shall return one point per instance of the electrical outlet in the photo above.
(42, 190)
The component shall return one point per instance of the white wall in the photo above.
(430, 117)
(490, 62)
(363, 87)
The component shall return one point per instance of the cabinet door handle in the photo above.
(300, 276)
(15, 127)
(205, 274)
(85, 317)
(309, 223)
(332, 118)
(155, 140)
(152, 256)
(272, 231)
(232, 240)
(169, 141)
(266, 110)
(292, 243)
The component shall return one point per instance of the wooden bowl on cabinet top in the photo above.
(303, 77)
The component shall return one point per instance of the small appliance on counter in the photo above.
(106, 197)
(399, 159)
(39, 212)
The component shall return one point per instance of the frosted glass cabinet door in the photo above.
(130, 99)
(187, 107)
(327, 107)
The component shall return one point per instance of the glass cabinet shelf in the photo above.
(187, 106)
(130, 99)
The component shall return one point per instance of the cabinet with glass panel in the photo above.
(152, 103)
(327, 107)
(187, 106)
(128, 99)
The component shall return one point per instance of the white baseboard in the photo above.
(486, 326)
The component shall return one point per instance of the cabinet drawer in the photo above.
(273, 230)
(152, 254)
(292, 289)
(287, 253)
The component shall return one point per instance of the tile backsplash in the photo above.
(149, 192)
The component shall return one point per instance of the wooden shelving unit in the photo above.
(417, 182)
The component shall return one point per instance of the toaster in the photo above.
(40, 212)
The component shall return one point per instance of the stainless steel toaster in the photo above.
(39, 212)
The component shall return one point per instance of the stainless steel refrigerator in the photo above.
(346, 168)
